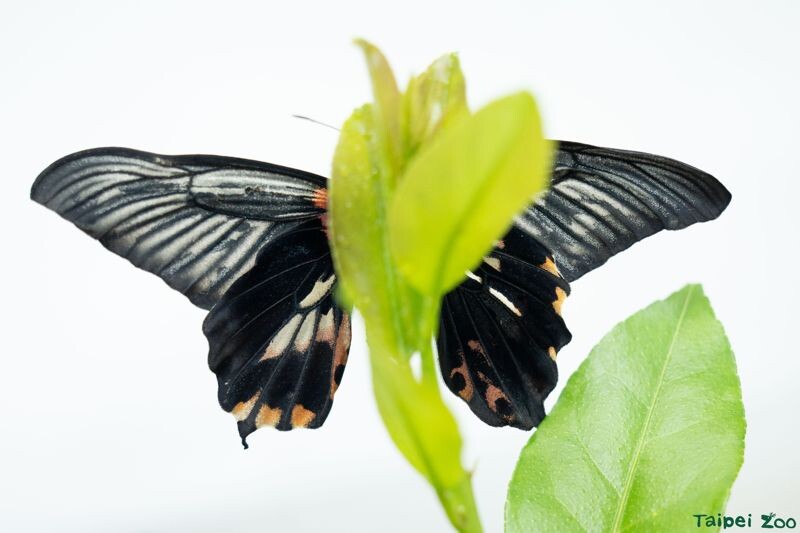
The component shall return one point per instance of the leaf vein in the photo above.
(597, 466)
(643, 437)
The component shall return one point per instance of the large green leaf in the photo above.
(463, 189)
(648, 431)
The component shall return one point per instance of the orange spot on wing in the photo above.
(550, 266)
(267, 416)
(242, 410)
(493, 395)
(476, 346)
(469, 389)
(340, 350)
(301, 417)
(320, 198)
(551, 351)
(560, 297)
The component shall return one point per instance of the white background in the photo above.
(109, 413)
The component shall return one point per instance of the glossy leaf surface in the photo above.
(648, 431)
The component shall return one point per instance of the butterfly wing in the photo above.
(240, 237)
(602, 200)
(278, 342)
(501, 329)
(196, 221)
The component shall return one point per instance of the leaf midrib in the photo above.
(626, 490)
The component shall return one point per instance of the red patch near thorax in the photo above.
(320, 200)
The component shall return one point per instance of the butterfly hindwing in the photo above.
(278, 342)
(500, 331)
(603, 200)
(196, 221)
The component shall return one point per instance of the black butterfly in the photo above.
(247, 240)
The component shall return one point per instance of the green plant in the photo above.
(648, 431)
(422, 188)
(396, 227)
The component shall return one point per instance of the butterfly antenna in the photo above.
(302, 117)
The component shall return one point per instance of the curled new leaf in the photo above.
(433, 100)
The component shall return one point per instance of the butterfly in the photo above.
(248, 241)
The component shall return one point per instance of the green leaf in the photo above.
(648, 431)
(387, 109)
(418, 422)
(432, 101)
(462, 191)
(359, 193)
(424, 430)
(355, 196)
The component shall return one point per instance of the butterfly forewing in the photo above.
(196, 221)
(278, 342)
(602, 201)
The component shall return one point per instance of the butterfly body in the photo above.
(248, 241)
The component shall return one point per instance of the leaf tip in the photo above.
(362, 43)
